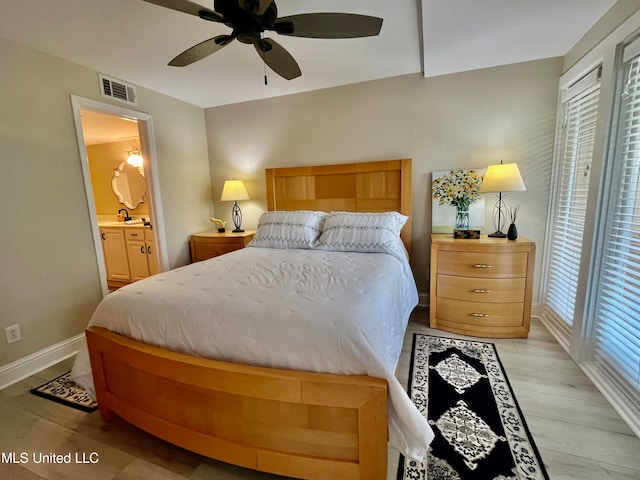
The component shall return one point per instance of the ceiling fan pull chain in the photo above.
(264, 62)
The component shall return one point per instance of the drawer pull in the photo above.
(480, 315)
(480, 290)
(482, 265)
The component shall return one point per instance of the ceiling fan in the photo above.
(250, 18)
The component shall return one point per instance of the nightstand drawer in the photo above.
(207, 245)
(204, 251)
(480, 314)
(483, 264)
(488, 290)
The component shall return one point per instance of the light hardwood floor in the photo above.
(578, 433)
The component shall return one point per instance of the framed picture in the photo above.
(443, 217)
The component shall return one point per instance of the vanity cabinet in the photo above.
(129, 254)
(481, 287)
(115, 255)
(142, 259)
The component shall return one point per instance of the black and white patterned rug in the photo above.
(65, 391)
(462, 389)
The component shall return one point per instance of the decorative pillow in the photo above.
(282, 229)
(362, 232)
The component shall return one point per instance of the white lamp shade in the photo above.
(504, 177)
(233, 190)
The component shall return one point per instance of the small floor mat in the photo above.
(65, 391)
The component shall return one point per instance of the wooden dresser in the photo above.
(481, 287)
(207, 245)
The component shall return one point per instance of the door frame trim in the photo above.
(147, 145)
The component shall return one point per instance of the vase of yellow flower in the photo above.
(458, 188)
(462, 217)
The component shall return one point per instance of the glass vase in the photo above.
(462, 218)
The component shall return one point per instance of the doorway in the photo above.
(109, 131)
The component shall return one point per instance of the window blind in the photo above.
(572, 165)
(616, 337)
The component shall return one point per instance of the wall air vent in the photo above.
(118, 90)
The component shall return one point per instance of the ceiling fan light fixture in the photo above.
(250, 18)
(249, 37)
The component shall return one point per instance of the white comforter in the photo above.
(305, 310)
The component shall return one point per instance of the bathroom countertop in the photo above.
(122, 225)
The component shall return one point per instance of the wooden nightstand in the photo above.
(481, 287)
(207, 245)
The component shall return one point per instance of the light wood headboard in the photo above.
(353, 187)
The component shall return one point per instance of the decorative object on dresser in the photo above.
(221, 224)
(504, 177)
(480, 430)
(512, 233)
(207, 245)
(455, 198)
(233, 191)
(482, 288)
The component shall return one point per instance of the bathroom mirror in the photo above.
(129, 185)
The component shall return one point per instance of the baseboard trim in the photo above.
(36, 362)
(614, 396)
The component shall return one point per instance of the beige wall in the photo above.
(466, 120)
(617, 14)
(49, 282)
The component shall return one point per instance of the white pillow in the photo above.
(362, 232)
(283, 229)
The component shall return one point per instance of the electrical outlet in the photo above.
(13, 333)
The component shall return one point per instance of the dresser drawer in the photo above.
(204, 251)
(488, 290)
(483, 264)
(479, 313)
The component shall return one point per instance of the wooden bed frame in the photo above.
(298, 424)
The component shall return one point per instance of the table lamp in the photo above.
(504, 177)
(233, 191)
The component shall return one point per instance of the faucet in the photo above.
(126, 214)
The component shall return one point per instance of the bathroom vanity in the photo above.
(129, 253)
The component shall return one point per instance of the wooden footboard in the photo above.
(298, 424)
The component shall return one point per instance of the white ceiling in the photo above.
(133, 41)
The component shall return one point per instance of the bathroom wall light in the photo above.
(134, 157)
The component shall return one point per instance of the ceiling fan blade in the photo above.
(329, 25)
(257, 7)
(201, 50)
(191, 8)
(277, 58)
